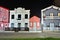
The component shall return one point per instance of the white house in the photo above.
(19, 18)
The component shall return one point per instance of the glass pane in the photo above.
(26, 24)
(58, 14)
(19, 17)
(26, 16)
(19, 24)
(12, 17)
(37, 23)
(51, 14)
(12, 24)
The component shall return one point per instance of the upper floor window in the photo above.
(26, 16)
(51, 14)
(12, 17)
(59, 14)
(19, 17)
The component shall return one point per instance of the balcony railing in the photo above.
(51, 17)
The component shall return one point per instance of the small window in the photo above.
(44, 15)
(26, 24)
(26, 16)
(12, 17)
(19, 17)
(12, 24)
(59, 14)
(51, 14)
(59, 24)
(19, 24)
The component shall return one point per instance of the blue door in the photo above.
(51, 26)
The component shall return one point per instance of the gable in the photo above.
(35, 18)
(53, 7)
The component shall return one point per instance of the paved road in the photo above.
(28, 34)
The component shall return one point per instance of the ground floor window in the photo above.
(19, 24)
(26, 24)
(12, 24)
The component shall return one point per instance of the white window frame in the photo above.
(38, 24)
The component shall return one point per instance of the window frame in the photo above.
(26, 24)
(12, 16)
(19, 16)
(26, 16)
(11, 24)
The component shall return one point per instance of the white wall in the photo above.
(21, 11)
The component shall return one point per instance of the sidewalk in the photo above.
(20, 32)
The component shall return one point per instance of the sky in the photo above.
(34, 5)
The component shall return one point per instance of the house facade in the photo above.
(34, 24)
(4, 18)
(50, 18)
(19, 18)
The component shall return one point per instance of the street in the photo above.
(29, 34)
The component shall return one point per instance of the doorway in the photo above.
(52, 26)
(34, 26)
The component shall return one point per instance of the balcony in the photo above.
(51, 17)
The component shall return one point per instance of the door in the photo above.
(34, 27)
(51, 26)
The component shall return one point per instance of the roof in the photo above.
(4, 7)
(34, 19)
(55, 7)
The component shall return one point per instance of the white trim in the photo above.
(41, 17)
(55, 7)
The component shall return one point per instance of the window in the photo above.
(26, 24)
(30, 23)
(38, 24)
(12, 17)
(19, 17)
(59, 14)
(59, 24)
(44, 15)
(12, 24)
(19, 24)
(51, 14)
(26, 16)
